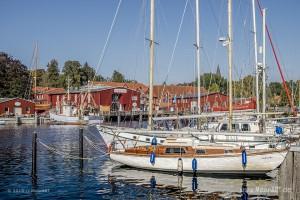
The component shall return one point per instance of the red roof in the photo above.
(177, 90)
(47, 90)
(132, 85)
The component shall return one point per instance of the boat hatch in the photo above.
(175, 150)
(200, 151)
(245, 127)
(228, 151)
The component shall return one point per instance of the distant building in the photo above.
(101, 98)
(16, 106)
(42, 97)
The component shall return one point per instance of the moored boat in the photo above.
(201, 159)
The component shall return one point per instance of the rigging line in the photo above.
(139, 31)
(174, 49)
(219, 32)
(278, 63)
(107, 39)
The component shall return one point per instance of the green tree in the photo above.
(53, 74)
(214, 88)
(117, 77)
(71, 70)
(14, 77)
(40, 77)
(87, 74)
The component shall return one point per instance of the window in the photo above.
(228, 151)
(134, 137)
(161, 141)
(6, 109)
(200, 151)
(175, 150)
(235, 126)
(27, 109)
(223, 127)
(245, 127)
(147, 139)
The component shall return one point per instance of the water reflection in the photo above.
(194, 186)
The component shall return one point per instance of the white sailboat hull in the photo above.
(256, 163)
(131, 137)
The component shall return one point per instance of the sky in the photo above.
(77, 30)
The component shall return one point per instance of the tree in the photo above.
(52, 74)
(87, 74)
(117, 77)
(214, 88)
(14, 77)
(71, 70)
(218, 72)
(41, 80)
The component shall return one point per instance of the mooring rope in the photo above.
(94, 145)
(64, 155)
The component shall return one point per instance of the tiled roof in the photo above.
(177, 90)
(47, 90)
(132, 86)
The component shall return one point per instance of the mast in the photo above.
(35, 69)
(230, 61)
(152, 15)
(35, 81)
(198, 53)
(68, 89)
(255, 55)
(264, 65)
(299, 93)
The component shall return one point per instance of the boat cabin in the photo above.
(243, 126)
(165, 150)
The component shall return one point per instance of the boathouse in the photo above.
(104, 98)
(16, 107)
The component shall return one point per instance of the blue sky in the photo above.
(77, 29)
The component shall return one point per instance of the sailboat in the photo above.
(129, 137)
(211, 158)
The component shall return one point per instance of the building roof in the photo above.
(176, 90)
(48, 90)
(131, 85)
(5, 99)
(9, 99)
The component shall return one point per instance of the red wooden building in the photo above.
(104, 98)
(16, 106)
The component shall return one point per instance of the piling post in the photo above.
(140, 119)
(119, 118)
(34, 155)
(81, 147)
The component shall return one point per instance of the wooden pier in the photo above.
(289, 175)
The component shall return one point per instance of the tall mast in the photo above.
(230, 61)
(152, 15)
(255, 55)
(264, 65)
(35, 69)
(299, 93)
(198, 53)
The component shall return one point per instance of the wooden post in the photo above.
(34, 155)
(119, 118)
(81, 147)
(140, 119)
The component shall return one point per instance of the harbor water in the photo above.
(62, 175)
